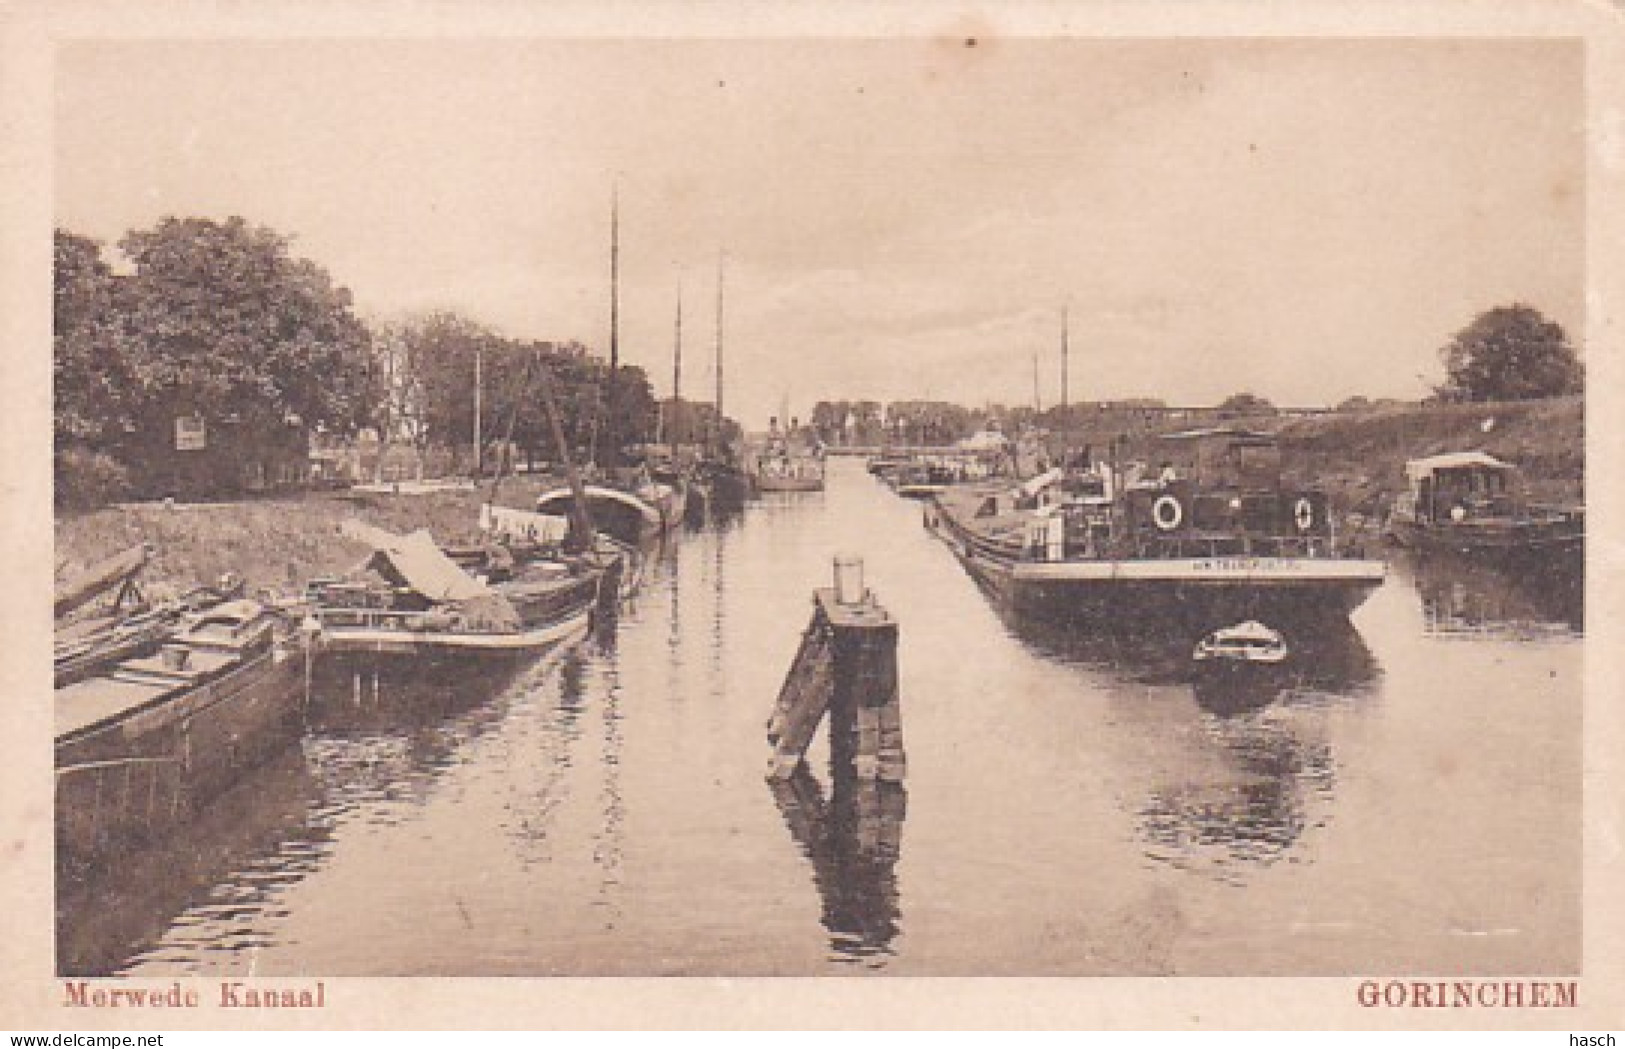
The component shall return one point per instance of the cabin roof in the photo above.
(984, 440)
(561, 498)
(1416, 469)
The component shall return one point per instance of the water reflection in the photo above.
(1150, 654)
(531, 810)
(1255, 772)
(354, 697)
(378, 734)
(1251, 812)
(376, 739)
(853, 842)
(609, 844)
(258, 833)
(1254, 807)
(1329, 658)
(1461, 598)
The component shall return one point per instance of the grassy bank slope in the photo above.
(1360, 456)
(273, 543)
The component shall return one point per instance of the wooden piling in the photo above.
(847, 666)
(803, 699)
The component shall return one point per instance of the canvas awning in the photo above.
(1416, 469)
(418, 562)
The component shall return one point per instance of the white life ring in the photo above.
(1303, 514)
(1167, 513)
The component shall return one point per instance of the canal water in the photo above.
(1407, 800)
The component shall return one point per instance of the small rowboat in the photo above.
(1247, 644)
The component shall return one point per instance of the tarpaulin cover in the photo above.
(419, 563)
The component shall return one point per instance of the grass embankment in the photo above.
(272, 543)
(1359, 457)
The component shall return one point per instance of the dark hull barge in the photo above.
(146, 740)
(1467, 504)
(1111, 549)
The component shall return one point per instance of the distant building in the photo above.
(189, 455)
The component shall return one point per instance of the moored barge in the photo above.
(1215, 540)
(1470, 504)
(411, 598)
(143, 741)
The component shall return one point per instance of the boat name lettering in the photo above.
(1245, 564)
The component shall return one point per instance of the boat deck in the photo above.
(133, 684)
(87, 703)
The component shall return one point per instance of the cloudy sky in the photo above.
(1306, 220)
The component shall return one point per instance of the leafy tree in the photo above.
(867, 424)
(1510, 353)
(929, 422)
(231, 324)
(636, 413)
(400, 414)
(95, 359)
(829, 420)
(433, 361)
(1243, 404)
(694, 423)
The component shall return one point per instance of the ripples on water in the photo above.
(1076, 803)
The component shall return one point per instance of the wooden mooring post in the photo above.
(847, 666)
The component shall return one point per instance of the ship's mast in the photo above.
(611, 423)
(677, 373)
(1064, 350)
(721, 437)
(479, 393)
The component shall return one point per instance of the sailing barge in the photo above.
(1221, 542)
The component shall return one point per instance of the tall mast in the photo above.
(580, 536)
(479, 383)
(611, 423)
(721, 437)
(677, 372)
(1063, 355)
(1037, 407)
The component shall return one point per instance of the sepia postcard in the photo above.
(920, 515)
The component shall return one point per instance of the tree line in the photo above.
(1508, 353)
(223, 323)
